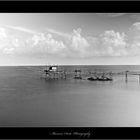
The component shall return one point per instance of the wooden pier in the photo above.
(132, 73)
(53, 72)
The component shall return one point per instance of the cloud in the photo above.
(113, 44)
(74, 46)
(2, 33)
(109, 43)
(58, 33)
(53, 46)
(136, 25)
(45, 43)
(78, 43)
(8, 50)
(21, 29)
(134, 39)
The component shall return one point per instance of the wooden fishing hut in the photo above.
(78, 74)
(53, 72)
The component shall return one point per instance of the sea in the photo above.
(28, 98)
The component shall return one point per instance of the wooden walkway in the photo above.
(54, 73)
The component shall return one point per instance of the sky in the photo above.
(69, 39)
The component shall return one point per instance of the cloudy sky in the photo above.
(69, 38)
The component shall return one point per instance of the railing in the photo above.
(78, 73)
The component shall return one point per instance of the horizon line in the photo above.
(72, 65)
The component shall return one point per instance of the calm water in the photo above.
(28, 100)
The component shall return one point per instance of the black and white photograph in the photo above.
(69, 70)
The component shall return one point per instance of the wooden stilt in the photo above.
(126, 76)
(65, 76)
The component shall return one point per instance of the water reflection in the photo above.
(68, 102)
